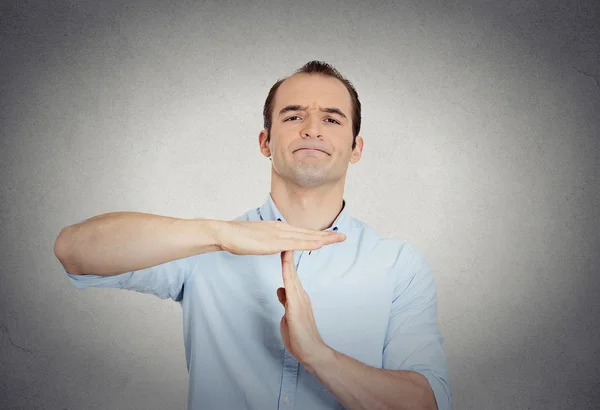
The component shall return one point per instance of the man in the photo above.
(294, 304)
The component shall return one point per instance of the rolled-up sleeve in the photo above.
(413, 340)
(165, 280)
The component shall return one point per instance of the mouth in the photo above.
(311, 149)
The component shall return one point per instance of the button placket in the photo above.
(291, 368)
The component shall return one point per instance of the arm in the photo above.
(361, 387)
(117, 242)
(414, 371)
(155, 254)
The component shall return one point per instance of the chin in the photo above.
(311, 179)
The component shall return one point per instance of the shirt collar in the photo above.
(269, 212)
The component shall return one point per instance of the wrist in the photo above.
(322, 356)
(208, 234)
(218, 229)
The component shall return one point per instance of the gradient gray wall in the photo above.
(481, 145)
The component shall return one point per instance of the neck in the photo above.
(315, 208)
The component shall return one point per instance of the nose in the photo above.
(311, 128)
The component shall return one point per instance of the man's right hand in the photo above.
(271, 237)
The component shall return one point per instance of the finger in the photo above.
(290, 228)
(303, 244)
(287, 256)
(291, 280)
(281, 296)
(316, 235)
(333, 238)
(287, 262)
(328, 238)
(288, 281)
(303, 234)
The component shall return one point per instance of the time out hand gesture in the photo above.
(271, 237)
(298, 327)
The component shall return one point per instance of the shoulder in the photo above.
(403, 256)
(396, 248)
(249, 215)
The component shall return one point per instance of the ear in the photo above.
(264, 145)
(357, 153)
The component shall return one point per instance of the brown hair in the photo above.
(322, 68)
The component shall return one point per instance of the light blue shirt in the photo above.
(373, 298)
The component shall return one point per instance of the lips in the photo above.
(312, 149)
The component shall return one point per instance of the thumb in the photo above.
(281, 296)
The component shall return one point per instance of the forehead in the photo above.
(313, 90)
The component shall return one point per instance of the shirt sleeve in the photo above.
(413, 340)
(165, 280)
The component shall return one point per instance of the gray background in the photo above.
(481, 137)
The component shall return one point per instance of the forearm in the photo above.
(361, 387)
(118, 242)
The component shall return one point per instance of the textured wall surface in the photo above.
(481, 127)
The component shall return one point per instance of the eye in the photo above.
(328, 118)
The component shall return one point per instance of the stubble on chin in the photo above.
(309, 176)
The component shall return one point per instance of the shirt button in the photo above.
(286, 400)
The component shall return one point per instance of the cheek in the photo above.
(281, 145)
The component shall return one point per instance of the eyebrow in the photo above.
(331, 110)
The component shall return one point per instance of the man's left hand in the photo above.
(298, 327)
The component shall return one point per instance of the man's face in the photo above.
(299, 122)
